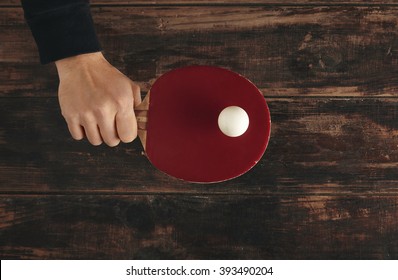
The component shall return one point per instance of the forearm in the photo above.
(61, 28)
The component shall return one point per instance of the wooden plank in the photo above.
(225, 2)
(286, 51)
(328, 146)
(198, 227)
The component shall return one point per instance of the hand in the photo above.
(97, 100)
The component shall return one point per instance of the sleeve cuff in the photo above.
(64, 32)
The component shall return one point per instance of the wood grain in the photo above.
(324, 146)
(285, 51)
(198, 227)
(225, 2)
(325, 189)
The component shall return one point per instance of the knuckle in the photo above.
(87, 117)
(69, 117)
(102, 111)
(65, 114)
(124, 102)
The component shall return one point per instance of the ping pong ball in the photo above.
(233, 121)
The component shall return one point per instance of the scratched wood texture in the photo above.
(290, 51)
(325, 189)
(317, 146)
(199, 227)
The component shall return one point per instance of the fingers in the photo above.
(76, 130)
(109, 128)
(93, 133)
(108, 132)
(126, 125)
(108, 117)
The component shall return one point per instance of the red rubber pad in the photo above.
(183, 137)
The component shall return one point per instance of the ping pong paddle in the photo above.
(179, 130)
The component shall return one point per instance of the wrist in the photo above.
(66, 65)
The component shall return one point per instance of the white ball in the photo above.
(233, 121)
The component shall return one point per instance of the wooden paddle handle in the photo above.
(141, 113)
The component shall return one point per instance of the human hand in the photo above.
(97, 100)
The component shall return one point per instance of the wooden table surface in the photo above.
(326, 188)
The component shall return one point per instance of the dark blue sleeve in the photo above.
(61, 28)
